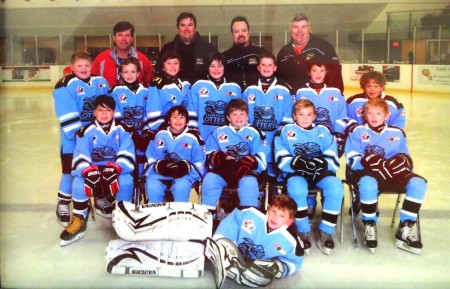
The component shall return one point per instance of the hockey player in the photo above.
(166, 90)
(103, 161)
(131, 99)
(235, 156)
(209, 97)
(269, 104)
(306, 154)
(330, 110)
(176, 156)
(373, 84)
(378, 156)
(253, 248)
(73, 97)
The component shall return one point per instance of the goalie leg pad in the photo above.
(155, 258)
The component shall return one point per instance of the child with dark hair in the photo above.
(103, 162)
(175, 157)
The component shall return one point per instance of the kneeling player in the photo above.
(103, 158)
(378, 157)
(254, 248)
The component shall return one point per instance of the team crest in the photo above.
(248, 226)
(365, 137)
(278, 97)
(359, 111)
(281, 250)
(80, 90)
(186, 145)
(251, 98)
(291, 135)
(232, 93)
(393, 139)
(123, 98)
(249, 137)
(223, 137)
(160, 143)
(204, 92)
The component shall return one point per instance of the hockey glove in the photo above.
(378, 165)
(316, 168)
(217, 159)
(255, 273)
(110, 178)
(92, 181)
(245, 165)
(298, 163)
(400, 167)
(163, 167)
(340, 140)
(141, 141)
(180, 168)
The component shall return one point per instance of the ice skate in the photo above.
(407, 239)
(325, 242)
(370, 235)
(104, 206)
(74, 231)
(306, 239)
(216, 254)
(62, 213)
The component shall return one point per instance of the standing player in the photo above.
(176, 156)
(103, 162)
(378, 156)
(74, 97)
(131, 99)
(269, 104)
(166, 90)
(307, 155)
(209, 97)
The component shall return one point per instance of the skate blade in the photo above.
(67, 242)
(307, 251)
(99, 212)
(372, 250)
(324, 249)
(64, 224)
(402, 245)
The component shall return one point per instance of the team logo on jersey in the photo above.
(250, 250)
(223, 137)
(333, 98)
(173, 156)
(186, 145)
(374, 150)
(133, 116)
(281, 250)
(238, 150)
(173, 98)
(308, 150)
(252, 61)
(232, 93)
(278, 97)
(251, 98)
(365, 137)
(248, 226)
(123, 98)
(291, 135)
(249, 137)
(323, 118)
(265, 118)
(87, 111)
(359, 111)
(160, 143)
(203, 92)
(393, 138)
(80, 90)
(214, 113)
(102, 85)
(103, 153)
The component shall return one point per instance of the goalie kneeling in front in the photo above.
(104, 156)
(253, 248)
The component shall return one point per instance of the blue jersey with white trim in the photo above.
(130, 105)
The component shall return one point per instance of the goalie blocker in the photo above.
(176, 221)
(155, 258)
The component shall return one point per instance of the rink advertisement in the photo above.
(391, 72)
(433, 74)
(25, 73)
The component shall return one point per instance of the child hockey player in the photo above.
(176, 156)
(330, 110)
(131, 99)
(103, 162)
(372, 84)
(253, 248)
(270, 105)
(307, 155)
(166, 90)
(209, 97)
(235, 156)
(74, 96)
(378, 156)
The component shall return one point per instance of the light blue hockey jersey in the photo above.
(130, 106)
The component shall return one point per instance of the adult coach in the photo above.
(192, 49)
(242, 58)
(107, 62)
(292, 58)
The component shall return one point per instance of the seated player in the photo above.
(307, 155)
(378, 156)
(103, 162)
(253, 248)
(176, 157)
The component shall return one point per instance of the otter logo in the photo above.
(250, 250)
(323, 118)
(214, 113)
(123, 98)
(171, 156)
(87, 111)
(133, 116)
(265, 118)
(238, 150)
(103, 153)
(308, 150)
(374, 150)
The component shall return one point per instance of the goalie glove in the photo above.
(110, 178)
(378, 165)
(245, 165)
(92, 181)
(255, 273)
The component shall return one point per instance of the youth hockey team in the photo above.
(222, 123)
